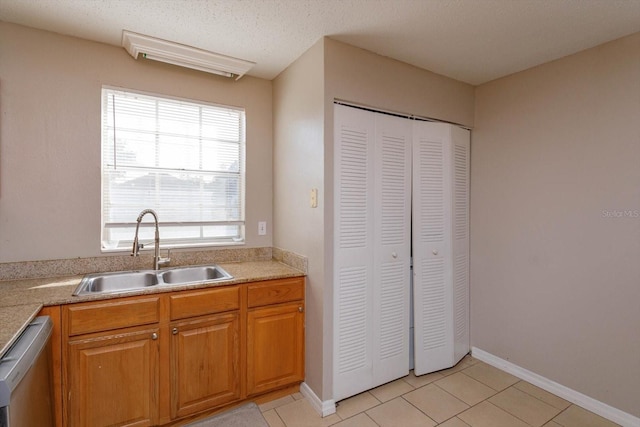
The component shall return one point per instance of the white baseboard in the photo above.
(589, 403)
(324, 408)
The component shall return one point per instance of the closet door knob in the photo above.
(394, 255)
(435, 252)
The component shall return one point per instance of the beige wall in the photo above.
(50, 138)
(363, 77)
(555, 261)
(298, 164)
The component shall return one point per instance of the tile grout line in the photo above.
(372, 420)
(420, 410)
(483, 400)
(275, 411)
(427, 415)
(537, 398)
(393, 398)
(497, 392)
(513, 415)
(561, 412)
(450, 394)
(459, 419)
(356, 414)
(445, 391)
(343, 419)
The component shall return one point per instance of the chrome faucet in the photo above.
(157, 261)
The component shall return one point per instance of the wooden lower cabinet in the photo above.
(205, 363)
(113, 379)
(275, 347)
(156, 359)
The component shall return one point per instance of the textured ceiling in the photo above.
(474, 41)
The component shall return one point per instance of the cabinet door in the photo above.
(205, 358)
(113, 379)
(275, 347)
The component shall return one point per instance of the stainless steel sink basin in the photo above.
(128, 281)
(116, 282)
(193, 274)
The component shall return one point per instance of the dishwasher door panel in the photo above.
(26, 388)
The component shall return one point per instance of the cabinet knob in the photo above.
(394, 254)
(174, 331)
(154, 336)
(435, 252)
(300, 309)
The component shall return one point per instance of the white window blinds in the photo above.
(183, 159)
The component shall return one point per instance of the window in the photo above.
(183, 159)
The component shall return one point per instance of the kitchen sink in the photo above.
(193, 274)
(128, 281)
(116, 282)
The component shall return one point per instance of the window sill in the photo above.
(150, 247)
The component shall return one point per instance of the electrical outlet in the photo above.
(262, 228)
(314, 197)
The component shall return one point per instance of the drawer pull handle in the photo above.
(174, 331)
(154, 336)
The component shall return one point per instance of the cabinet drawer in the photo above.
(275, 291)
(108, 315)
(200, 303)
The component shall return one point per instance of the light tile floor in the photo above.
(471, 394)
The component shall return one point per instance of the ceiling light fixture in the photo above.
(184, 56)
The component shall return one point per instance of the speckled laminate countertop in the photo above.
(21, 300)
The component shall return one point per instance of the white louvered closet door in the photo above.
(392, 247)
(461, 140)
(371, 249)
(440, 263)
(353, 251)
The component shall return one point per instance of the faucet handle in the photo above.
(165, 261)
(136, 248)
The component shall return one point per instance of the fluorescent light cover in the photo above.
(184, 56)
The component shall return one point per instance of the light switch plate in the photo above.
(314, 197)
(262, 228)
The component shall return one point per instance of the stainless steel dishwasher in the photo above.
(25, 378)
